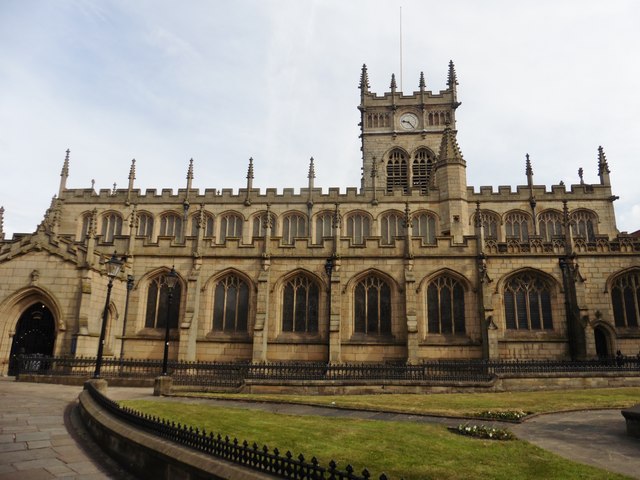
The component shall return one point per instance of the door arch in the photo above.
(603, 342)
(35, 334)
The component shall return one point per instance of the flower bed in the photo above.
(510, 416)
(482, 431)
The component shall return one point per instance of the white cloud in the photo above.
(276, 80)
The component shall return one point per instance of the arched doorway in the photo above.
(603, 345)
(35, 334)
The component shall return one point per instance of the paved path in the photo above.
(41, 436)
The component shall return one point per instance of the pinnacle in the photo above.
(452, 78)
(603, 166)
(190, 170)
(312, 170)
(250, 169)
(422, 82)
(364, 79)
(393, 82)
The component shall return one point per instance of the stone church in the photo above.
(412, 264)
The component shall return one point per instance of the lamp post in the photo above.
(130, 282)
(113, 268)
(170, 280)
(328, 268)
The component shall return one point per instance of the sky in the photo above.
(221, 81)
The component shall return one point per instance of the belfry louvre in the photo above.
(413, 264)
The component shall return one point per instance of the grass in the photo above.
(401, 450)
(464, 404)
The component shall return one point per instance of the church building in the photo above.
(413, 264)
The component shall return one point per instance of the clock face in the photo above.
(409, 121)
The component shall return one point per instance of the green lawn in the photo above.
(451, 404)
(401, 450)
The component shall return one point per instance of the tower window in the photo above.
(324, 229)
(145, 225)
(170, 225)
(583, 225)
(421, 170)
(397, 172)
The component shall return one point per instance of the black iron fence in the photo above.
(234, 375)
(242, 453)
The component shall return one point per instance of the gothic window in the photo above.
(372, 307)
(397, 172)
(490, 222)
(259, 222)
(300, 305)
(207, 225)
(170, 225)
(445, 306)
(231, 305)
(145, 225)
(391, 226)
(550, 225)
(517, 226)
(421, 169)
(158, 303)
(324, 229)
(293, 226)
(358, 225)
(527, 303)
(625, 297)
(230, 227)
(111, 226)
(86, 224)
(424, 227)
(583, 225)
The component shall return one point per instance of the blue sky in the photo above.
(223, 81)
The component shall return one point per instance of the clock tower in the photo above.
(403, 134)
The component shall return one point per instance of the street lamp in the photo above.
(113, 268)
(170, 280)
(130, 283)
(328, 268)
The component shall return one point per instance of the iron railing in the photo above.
(234, 375)
(242, 453)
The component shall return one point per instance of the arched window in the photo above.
(259, 225)
(158, 303)
(111, 226)
(231, 305)
(625, 297)
(300, 305)
(170, 225)
(207, 225)
(391, 226)
(490, 222)
(86, 225)
(527, 303)
(230, 227)
(324, 222)
(145, 225)
(294, 225)
(583, 225)
(445, 306)
(517, 226)
(424, 227)
(358, 227)
(422, 168)
(550, 225)
(372, 307)
(397, 172)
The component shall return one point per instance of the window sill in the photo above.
(294, 337)
(239, 337)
